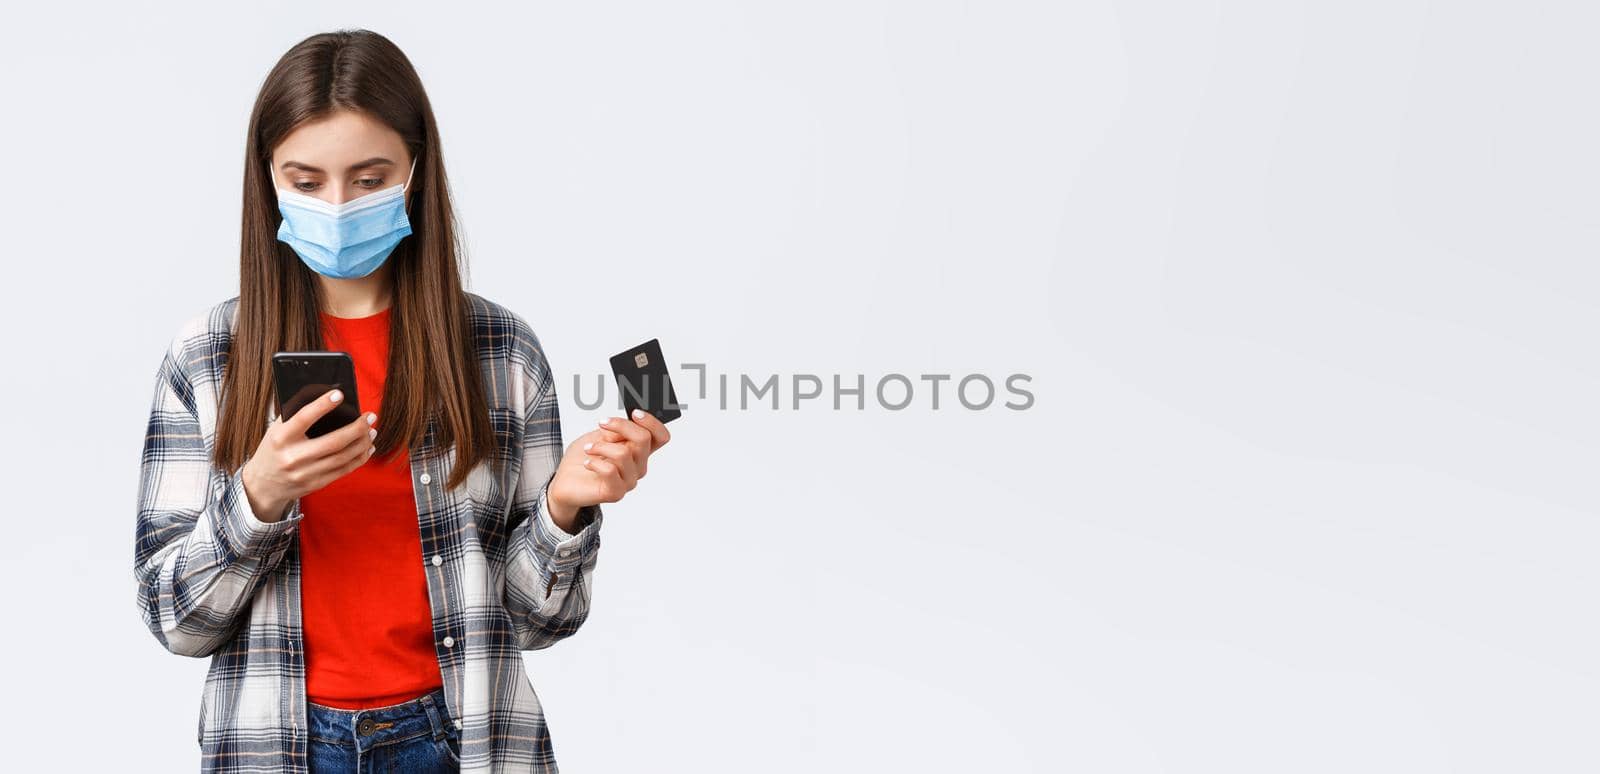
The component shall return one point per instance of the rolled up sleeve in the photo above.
(549, 572)
(200, 553)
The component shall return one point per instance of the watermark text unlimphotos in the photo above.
(841, 392)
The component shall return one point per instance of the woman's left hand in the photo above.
(604, 464)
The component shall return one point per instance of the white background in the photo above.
(1306, 291)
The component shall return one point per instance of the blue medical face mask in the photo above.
(346, 240)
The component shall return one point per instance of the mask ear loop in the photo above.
(407, 187)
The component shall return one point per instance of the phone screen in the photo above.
(302, 377)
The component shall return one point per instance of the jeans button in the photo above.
(364, 727)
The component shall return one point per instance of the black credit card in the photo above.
(644, 381)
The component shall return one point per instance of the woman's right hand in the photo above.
(288, 465)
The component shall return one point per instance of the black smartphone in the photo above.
(302, 377)
(643, 379)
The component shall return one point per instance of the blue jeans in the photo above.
(414, 736)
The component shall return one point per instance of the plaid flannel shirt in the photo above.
(213, 580)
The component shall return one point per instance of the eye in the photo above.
(306, 186)
(370, 182)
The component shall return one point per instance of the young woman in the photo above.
(365, 596)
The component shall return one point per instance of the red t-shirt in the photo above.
(364, 595)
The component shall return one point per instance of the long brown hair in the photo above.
(433, 367)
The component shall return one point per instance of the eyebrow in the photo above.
(372, 162)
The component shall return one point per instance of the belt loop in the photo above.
(433, 716)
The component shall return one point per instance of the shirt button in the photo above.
(437, 560)
(449, 642)
(458, 724)
(426, 478)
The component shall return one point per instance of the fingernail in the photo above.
(587, 445)
(372, 419)
(586, 463)
(605, 421)
(373, 433)
(335, 396)
(638, 413)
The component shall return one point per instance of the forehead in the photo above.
(339, 140)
